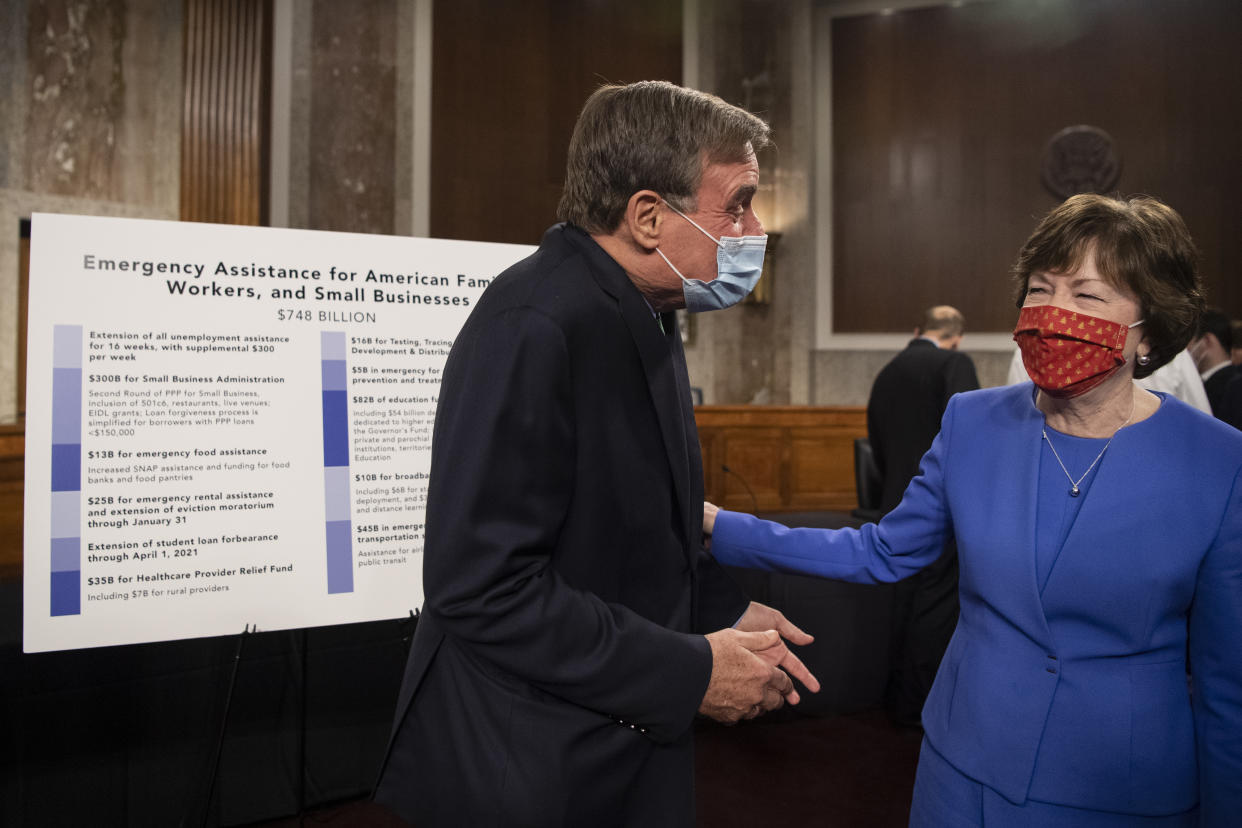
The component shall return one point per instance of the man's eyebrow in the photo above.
(743, 194)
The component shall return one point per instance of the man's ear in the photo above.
(644, 218)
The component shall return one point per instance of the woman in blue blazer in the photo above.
(1099, 529)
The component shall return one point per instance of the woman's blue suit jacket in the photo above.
(1079, 695)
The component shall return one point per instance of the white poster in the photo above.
(230, 427)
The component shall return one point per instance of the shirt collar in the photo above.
(1209, 372)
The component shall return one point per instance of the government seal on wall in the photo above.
(1080, 159)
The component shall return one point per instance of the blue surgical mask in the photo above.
(739, 263)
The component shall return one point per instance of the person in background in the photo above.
(1211, 351)
(574, 625)
(907, 400)
(1179, 377)
(1099, 532)
(909, 396)
(1231, 403)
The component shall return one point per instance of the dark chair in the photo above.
(867, 482)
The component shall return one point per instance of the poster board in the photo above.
(230, 427)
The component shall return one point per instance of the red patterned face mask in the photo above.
(1068, 353)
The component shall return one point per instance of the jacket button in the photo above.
(1052, 670)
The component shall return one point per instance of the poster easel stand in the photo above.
(224, 722)
(300, 644)
(302, 670)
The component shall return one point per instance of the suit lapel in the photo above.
(665, 368)
(690, 435)
(665, 377)
(1028, 476)
(1005, 496)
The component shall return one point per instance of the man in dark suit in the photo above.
(573, 624)
(1211, 350)
(1231, 402)
(907, 401)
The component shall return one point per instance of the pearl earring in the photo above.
(1143, 359)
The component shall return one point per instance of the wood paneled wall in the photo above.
(941, 116)
(508, 80)
(775, 458)
(12, 484)
(224, 138)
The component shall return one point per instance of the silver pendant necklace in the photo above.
(1074, 490)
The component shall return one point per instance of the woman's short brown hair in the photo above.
(650, 135)
(1140, 244)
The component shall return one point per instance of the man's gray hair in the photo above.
(650, 135)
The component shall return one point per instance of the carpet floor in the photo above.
(851, 771)
(848, 771)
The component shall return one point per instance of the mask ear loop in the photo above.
(700, 229)
(715, 240)
(670, 264)
(1141, 359)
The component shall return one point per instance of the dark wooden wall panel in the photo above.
(225, 131)
(941, 116)
(12, 485)
(508, 81)
(780, 458)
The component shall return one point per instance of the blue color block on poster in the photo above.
(332, 372)
(67, 593)
(66, 467)
(336, 493)
(335, 429)
(67, 346)
(66, 405)
(66, 554)
(340, 556)
(332, 345)
(67, 516)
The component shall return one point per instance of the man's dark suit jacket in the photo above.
(1231, 402)
(558, 662)
(907, 401)
(1215, 386)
